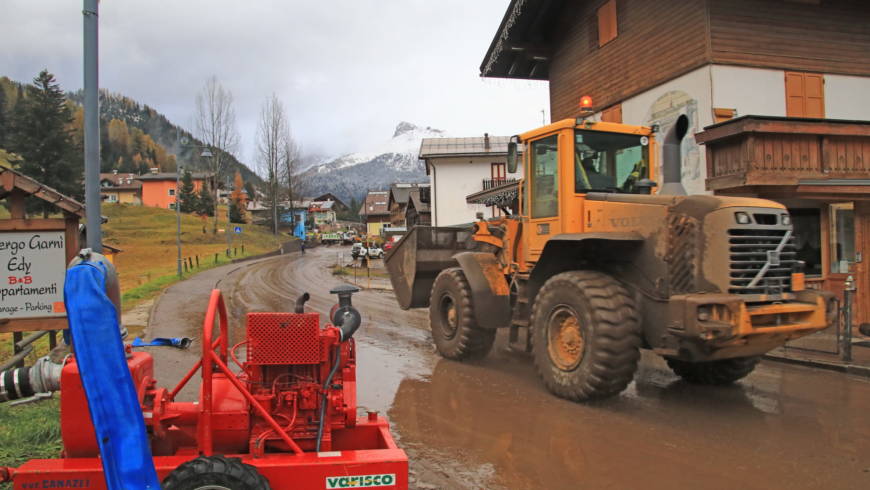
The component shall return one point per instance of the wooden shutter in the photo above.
(722, 114)
(607, 22)
(612, 114)
(804, 94)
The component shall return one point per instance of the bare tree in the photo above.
(216, 128)
(272, 141)
(290, 166)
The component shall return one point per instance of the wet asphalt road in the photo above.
(492, 425)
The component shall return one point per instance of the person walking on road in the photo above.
(302, 247)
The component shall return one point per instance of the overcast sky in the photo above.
(347, 70)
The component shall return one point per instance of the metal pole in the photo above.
(92, 124)
(848, 296)
(227, 228)
(177, 220)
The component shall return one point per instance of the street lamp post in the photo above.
(178, 218)
(229, 236)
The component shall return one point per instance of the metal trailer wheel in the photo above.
(586, 335)
(215, 473)
(451, 318)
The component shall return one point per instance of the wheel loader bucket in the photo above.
(415, 261)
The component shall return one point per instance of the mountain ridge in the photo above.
(352, 175)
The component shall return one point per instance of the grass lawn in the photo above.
(29, 431)
(147, 238)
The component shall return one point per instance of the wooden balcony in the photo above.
(753, 151)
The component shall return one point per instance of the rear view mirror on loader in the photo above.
(512, 156)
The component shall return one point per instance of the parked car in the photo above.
(376, 252)
(388, 246)
(358, 250)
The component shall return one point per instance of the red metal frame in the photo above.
(361, 447)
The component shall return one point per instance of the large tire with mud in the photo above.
(585, 335)
(721, 372)
(215, 472)
(451, 317)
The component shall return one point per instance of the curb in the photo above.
(147, 332)
(853, 369)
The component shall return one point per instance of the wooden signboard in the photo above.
(33, 257)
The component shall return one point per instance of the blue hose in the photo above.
(112, 399)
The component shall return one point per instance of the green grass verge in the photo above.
(29, 431)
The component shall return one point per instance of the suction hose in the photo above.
(42, 377)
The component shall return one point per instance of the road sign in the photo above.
(237, 229)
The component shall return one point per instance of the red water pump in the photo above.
(287, 409)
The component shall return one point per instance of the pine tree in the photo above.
(235, 213)
(187, 195)
(42, 137)
(205, 203)
(237, 200)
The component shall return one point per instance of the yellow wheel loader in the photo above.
(593, 263)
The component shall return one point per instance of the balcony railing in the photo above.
(493, 183)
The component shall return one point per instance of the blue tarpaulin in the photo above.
(112, 399)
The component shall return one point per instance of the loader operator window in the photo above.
(545, 177)
(609, 162)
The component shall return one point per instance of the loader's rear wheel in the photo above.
(451, 317)
(215, 473)
(720, 372)
(586, 335)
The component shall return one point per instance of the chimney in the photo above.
(486, 141)
(672, 170)
(154, 170)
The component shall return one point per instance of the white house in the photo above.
(458, 167)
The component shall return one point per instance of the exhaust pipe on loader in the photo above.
(671, 159)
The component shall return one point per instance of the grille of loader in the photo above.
(283, 338)
(750, 250)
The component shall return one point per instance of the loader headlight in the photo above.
(742, 218)
(785, 219)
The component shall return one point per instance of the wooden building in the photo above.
(399, 198)
(120, 188)
(418, 211)
(801, 66)
(375, 212)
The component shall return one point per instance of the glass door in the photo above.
(544, 193)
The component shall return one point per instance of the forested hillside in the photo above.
(133, 137)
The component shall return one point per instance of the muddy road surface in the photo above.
(492, 425)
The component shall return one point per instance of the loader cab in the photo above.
(565, 161)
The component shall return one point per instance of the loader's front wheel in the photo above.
(586, 335)
(451, 317)
(721, 372)
(215, 473)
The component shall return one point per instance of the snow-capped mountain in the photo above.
(352, 175)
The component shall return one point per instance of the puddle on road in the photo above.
(492, 425)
